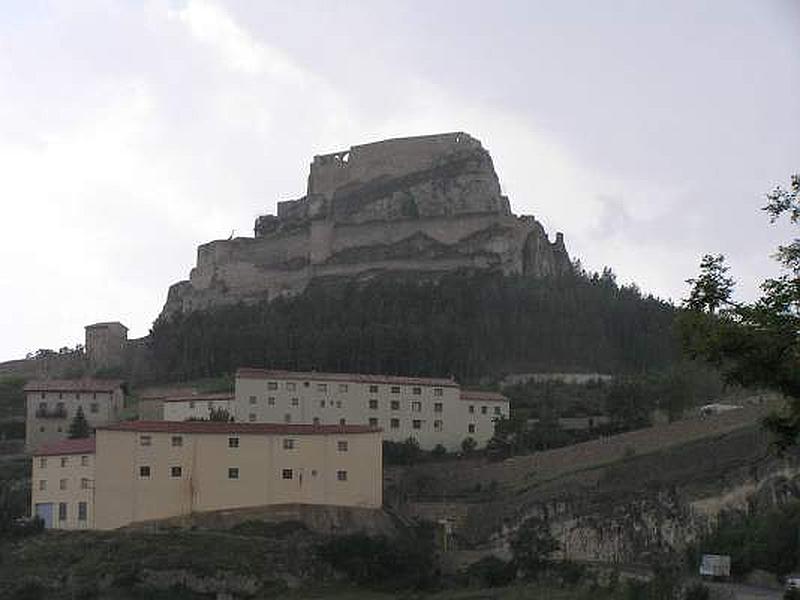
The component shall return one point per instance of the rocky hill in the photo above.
(428, 204)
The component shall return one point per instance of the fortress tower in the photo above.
(105, 345)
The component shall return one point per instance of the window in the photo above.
(253, 400)
(437, 407)
(342, 387)
(82, 511)
(60, 395)
(315, 421)
(84, 483)
(438, 391)
(483, 410)
(145, 440)
(395, 389)
(341, 445)
(438, 425)
(60, 407)
(59, 429)
(291, 386)
(417, 391)
(416, 424)
(94, 396)
(233, 442)
(191, 403)
(338, 404)
(42, 405)
(471, 409)
(497, 410)
(271, 400)
(373, 389)
(42, 484)
(84, 461)
(62, 484)
(394, 423)
(41, 429)
(295, 401)
(373, 404)
(210, 405)
(43, 395)
(322, 387)
(272, 385)
(322, 403)
(251, 417)
(77, 396)
(94, 407)
(177, 441)
(471, 428)
(233, 472)
(341, 475)
(395, 404)
(287, 418)
(373, 422)
(288, 444)
(175, 471)
(144, 472)
(62, 511)
(42, 463)
(287, 474)
(342, 421)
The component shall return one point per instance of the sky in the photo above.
(131, 132)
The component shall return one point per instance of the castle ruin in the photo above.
(429, 204)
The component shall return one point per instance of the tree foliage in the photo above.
(757, 343)
(533, 547)
(464, 324)
(79, 427)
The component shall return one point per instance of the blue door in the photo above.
(45, 512)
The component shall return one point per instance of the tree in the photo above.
(219, 414)
(79, 427)
(758, 343)
(468, 445)
(533, 546)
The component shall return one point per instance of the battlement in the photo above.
(393, 158)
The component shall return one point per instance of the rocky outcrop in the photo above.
(425, 204)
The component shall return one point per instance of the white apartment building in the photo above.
(53, 403)
(433, 411)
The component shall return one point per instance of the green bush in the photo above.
(492, 571)
(698, 591)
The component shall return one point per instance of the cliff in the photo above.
(427, 204)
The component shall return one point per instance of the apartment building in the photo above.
(196, 407)
(433, 411)
(62, 484)
(148, 470)
(52, 404)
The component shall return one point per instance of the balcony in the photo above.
(53, 413)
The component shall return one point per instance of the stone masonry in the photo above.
(427, 204)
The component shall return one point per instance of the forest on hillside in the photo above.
(469, 325)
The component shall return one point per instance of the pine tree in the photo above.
(79, 428)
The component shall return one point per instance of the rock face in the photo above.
(423, 204)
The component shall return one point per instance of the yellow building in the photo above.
(432, 411)
(157, 469)
(62, 484)
(53, 403)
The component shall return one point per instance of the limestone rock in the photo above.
(422, 204)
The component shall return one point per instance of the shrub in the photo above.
(492, 571)
(698, 591)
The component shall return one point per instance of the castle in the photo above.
(428, 204)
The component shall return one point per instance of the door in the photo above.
(44, 511)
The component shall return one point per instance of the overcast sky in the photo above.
(131, 132)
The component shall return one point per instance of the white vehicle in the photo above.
(715, 565)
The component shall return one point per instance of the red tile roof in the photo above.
(243, 428)
(248, 373)
(74, 385)
(198, 397)
(79, 446)
(481, 396)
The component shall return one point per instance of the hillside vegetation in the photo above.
(467, 325)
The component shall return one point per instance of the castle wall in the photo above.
(389, 157)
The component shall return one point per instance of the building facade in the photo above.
(149, 470)
(196, 407)
(432, 411)
(62, 484)
(52, 404)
